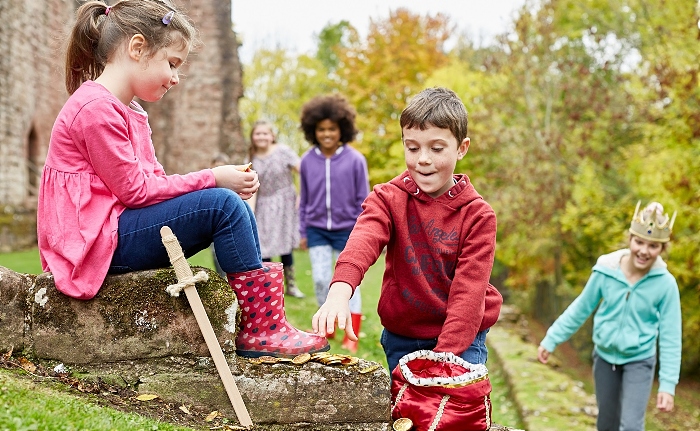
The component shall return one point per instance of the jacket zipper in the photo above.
(329, 222)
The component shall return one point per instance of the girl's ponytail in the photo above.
(99, 30)
(83, 61)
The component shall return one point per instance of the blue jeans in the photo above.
(197, 219)
(335, 238)
(622, 392)
(396, 346)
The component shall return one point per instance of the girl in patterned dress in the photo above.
(276, 203)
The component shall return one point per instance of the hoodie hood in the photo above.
(462, 193)
(609, 264)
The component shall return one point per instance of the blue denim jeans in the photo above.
(396, 346)
(622, 392)
(197, 219)
(335, 238)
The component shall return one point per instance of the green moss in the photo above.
(20, 227)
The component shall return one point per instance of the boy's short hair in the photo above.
(438, 107)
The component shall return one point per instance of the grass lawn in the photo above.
(299, 313)
(27, 406)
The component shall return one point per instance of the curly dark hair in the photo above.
(332, 107)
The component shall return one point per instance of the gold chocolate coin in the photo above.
(403, 424)
(369, 370)
(350, 360)
(269, 360)
(301, 359)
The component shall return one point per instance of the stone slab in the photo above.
(131, 318)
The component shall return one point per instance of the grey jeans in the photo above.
(622, 392)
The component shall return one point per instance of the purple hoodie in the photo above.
(332, 189)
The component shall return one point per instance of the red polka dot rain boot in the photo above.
(264, 329)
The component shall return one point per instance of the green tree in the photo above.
(665, 162)
(330, 40)
(380, 73)
(276, 85)
(554, 112)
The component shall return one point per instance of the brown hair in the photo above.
(97, 35)
(333, 107)
(439, 107)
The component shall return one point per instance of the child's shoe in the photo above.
(264, 329)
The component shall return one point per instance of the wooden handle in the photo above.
(184, 272)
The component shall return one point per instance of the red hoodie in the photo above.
(438, 262)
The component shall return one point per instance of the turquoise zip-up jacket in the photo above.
(629, 319)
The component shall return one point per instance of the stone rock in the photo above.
(13, 308)
(134, 335)
(132, 317)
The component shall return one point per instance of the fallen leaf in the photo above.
(185, 409)
(27, 365)
(211, 416)
(147, 397)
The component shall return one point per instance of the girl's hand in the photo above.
(664, 402)
(232, 177)
(335, 309)
(303, 244)
(542, 354)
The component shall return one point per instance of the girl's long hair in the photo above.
(252, 150)
(96, 35)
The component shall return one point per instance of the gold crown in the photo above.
(651, 224)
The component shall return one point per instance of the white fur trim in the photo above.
(476, 371)
(612, 260)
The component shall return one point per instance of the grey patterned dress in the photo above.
(276, 206)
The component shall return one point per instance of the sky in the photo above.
(291, 24)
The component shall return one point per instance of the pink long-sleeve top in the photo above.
(100, 162)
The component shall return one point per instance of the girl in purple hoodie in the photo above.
(334, 183)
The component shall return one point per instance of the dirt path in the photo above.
(686, 415)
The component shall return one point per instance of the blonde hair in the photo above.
(258, 123)
(99, 29)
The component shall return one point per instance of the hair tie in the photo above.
(168, 18)
(107, 9)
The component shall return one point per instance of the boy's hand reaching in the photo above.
(238, 178)
(335, 309)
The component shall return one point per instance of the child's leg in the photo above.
(356, 319)
(321, 257)
(637, 378)
(220, 215)
(356, 302)
(608, 384)
(477, 353)
(197, 219)
(397, 346)
(264, 329)
(290, 281)
(216, 261)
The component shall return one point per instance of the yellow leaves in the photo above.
(147, 397)
(211, 416)
(27, 365)
(185, 409)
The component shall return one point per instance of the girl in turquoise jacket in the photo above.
(638, 304)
